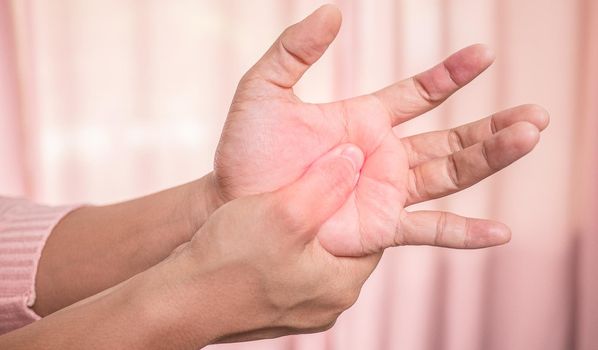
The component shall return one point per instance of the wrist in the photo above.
(126, 316)
(187, 303)
(171, 314)
(207, 297)
(204, 199)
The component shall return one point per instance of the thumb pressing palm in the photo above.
(271, 138)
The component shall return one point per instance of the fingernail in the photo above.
(355, 155)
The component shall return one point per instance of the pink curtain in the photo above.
(101, 100)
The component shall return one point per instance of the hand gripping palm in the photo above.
(271, 137)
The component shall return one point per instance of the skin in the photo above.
(397, 172)
(270, 142)
(254, 270)
(97, 247)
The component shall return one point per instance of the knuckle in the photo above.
(441, 226)
(418, 188)
(453, 171)
(487, 158)
(455, 141)
(423, 91)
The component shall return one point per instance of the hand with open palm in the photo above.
(271, 137)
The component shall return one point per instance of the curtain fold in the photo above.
(12, 143)
(105, 100)
(586, 194)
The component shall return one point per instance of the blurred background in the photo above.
(104, 100)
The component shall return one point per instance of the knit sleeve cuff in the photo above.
(24, 229)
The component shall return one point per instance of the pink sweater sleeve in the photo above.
(24, 228)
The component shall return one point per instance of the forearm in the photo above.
(94, 248)
(144, 312)
(107, 323)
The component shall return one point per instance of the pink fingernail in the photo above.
(355, 155)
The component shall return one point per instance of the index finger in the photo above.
(411, 97)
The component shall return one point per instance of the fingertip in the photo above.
(499, 233)
(332, 11)
(484, 52)
(528, 134)
(510, 144)
(325, 186)
(513, 142)
(467, 63)
(297, 48)
(354, 154)
(538, 115)
(327, 16)
(508, 234)
(486, 233)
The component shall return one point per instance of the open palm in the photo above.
(271, 137)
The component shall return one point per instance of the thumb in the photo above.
(298, 47)
(322, 190)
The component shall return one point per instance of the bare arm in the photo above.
(254, 270)
(271, 137)
(94, 248)
(139, 313)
